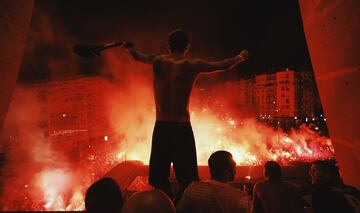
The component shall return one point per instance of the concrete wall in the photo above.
(15, 16)
(332, 31)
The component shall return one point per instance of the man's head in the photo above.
(272, 171)
(324, 172)
(178, 42)
(103, 196)
(222, 166)
(149, 201)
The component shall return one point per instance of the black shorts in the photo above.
(172, 142)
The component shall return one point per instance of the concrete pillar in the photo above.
(15, 17)
(332, 31)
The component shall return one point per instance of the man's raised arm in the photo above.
(137, 55)
(206, 66)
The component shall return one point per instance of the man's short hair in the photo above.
(330, 167)
(103, 196)
(273, 170)
(178, 41)
(219, 162)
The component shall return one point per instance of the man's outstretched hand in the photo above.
(244, 55)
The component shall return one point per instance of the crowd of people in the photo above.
(272, 194)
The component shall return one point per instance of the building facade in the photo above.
(77, 121)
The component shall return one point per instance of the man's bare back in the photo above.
(173, 81)
(174, 77)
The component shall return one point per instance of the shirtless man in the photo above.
(173, 140)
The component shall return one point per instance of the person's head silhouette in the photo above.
(222, 166)
(178, 42)
(325, 172)
(148, 202)
(103, 196)
(272, 171)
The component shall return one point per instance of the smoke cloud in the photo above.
(34, 170)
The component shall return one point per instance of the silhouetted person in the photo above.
(153, 201)
(215, 195)
(103, 196)
(173, 139)
(274, 195)
(330, 194)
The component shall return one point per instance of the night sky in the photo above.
(270, 30)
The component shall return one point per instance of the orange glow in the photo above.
(251, 143)
(57, 182)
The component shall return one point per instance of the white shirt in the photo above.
(212, 197)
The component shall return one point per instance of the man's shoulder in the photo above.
(226, 187)
(198, 189)
(161, 57)
(166, 58)
(197, 185)
(209, 185)
(195, 61)
(260, 183)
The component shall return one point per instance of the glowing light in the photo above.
(316, 128)
(77, 201)
(64, 115)
(120, 156)
(212, 133)
(324, 119)
(215, 127)
(286, 140)
(298, 150)
(232, 122)
(54, 184)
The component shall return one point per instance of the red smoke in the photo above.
(46, 179)
(34, 170)
(41, 177)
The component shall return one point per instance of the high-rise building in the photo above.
(265, 96)
(285, 94)
(307, 95)
(77, 122)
